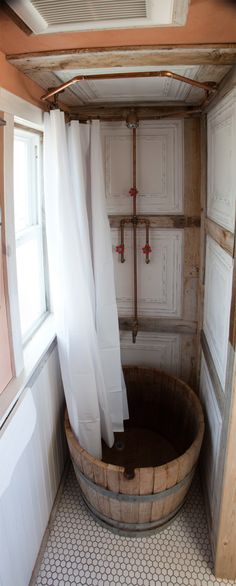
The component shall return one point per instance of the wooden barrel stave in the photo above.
(155, 494)
(151, 507)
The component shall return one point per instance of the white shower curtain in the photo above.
(82, 281)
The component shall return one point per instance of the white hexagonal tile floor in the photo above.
(81, 552)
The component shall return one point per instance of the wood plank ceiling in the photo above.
(51, 70)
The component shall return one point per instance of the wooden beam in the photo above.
(192, 209)
(192, 168)
(115, 113)
(162, 325)
(162, 105)
(158, 221)
(125, 57)
(223, 237)
(219, 393)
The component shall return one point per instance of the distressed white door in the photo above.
(160, 192)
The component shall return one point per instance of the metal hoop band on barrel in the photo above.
(134, 498)
(132, 529)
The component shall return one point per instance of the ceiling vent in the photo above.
(52, 16)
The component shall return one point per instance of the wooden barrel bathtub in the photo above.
(136, 498)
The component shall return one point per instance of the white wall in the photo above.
(31, 482)
(32, 443)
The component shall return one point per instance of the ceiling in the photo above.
(47, 59)
(129, 90)
(208, 22)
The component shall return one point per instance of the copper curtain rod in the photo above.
(207, 87)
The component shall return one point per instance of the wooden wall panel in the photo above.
(211, 446)
(155, 350)
(191, 272)
(159, 282)
(159, 167)
(191, 248)
(168, 180)
(218, 289)
(218, 377)
(221, 162)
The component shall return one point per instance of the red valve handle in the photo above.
(120, 249)
(133, 191)
(146, 249)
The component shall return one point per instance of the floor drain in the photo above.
(119, 445)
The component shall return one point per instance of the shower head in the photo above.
(132, 120)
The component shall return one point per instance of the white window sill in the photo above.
(33, 354)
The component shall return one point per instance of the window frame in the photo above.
(14, 109)
(36, 226)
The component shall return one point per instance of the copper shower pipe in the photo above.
(147, 248)
(134, 220)
(207, 87)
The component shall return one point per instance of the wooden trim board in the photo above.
(127, 56)
(161, 221)
(162, 325)
(222, 236)
(114, 112)
(225, 558)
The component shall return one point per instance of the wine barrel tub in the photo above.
(141, 487)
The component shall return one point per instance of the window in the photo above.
(29, 230)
